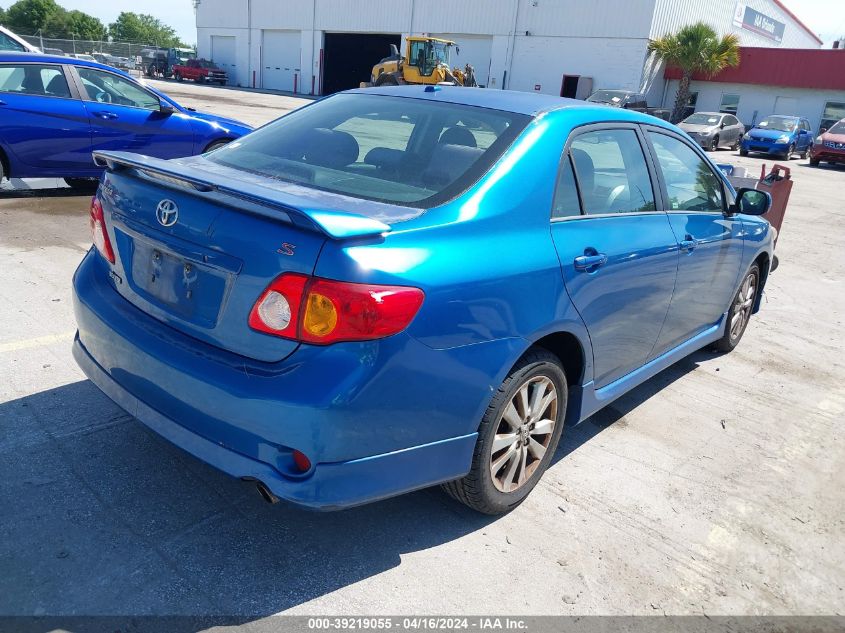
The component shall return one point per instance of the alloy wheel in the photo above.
(523, 433)
(743, 305)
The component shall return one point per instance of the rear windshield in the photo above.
(778, 123)
(413, 152)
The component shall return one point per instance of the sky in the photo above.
(824, 17)
(178, 14)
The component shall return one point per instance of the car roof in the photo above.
(530, 103)
(42, 58)
(710, 113)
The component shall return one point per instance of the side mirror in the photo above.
(722, 125)
(752, 202)
(822, 130)
(165, 108)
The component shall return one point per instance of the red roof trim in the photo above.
(810, 68)
(797, 20)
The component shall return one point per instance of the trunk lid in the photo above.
(197, 258)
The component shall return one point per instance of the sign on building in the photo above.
(753, 20)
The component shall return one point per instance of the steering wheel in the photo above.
(614, 196)
(103, 97)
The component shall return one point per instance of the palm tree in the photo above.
(695, 48)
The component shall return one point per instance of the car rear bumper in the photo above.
(828, 155)
(330, 486)
(375, 419)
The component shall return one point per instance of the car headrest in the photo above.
(458, 136)
(449, 162)
(384, 158)
(58, 87)
(331, 148)
(585, 168)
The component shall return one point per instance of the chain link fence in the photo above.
(118, 54)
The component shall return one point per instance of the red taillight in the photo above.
(301, 460)
(98, 230)
(324, 311)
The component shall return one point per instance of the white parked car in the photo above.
(11, 42)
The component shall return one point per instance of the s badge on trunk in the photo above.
(167, 212)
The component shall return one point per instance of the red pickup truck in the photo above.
(200, 70)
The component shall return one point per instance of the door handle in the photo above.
(105, 115)
(590, 262)
(688, 243)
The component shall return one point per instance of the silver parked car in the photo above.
(712, 130)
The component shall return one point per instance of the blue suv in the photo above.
(54, 111)
(779, 135)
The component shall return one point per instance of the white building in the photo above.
(321, 46)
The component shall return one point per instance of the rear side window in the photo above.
(612, 172)
(399, 150)
(690, 183)
(34, 79)
(566, 203)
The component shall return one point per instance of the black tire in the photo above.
(177, 76)
(814, 162)
(789, 152)
(803, 154)
(151, 70)
(731, 339)
(736, 145)
(216, 145)
(714, 144)
(477, 489)
(82, 184)
(743, 152)
(387, 80)
(2, 167)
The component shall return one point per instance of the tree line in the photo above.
(29, 17)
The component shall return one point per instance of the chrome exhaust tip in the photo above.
(265, 493)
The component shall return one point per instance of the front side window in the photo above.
(399, 150)
(34, 79)
(690, 183)
(612, 173)
(730, 103)
(106, 87)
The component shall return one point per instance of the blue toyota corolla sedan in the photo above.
(399, 287)
(54, 111)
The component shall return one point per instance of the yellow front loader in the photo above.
(426, 61)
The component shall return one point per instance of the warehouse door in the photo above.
(280, 68)
(786, 105)
(349, 58)
(223, 54)
(474, 50)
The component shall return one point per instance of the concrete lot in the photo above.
(716, 487)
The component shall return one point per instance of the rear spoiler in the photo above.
(334, 224)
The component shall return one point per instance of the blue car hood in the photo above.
(229, 124)
(761, 132)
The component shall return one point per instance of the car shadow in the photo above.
(102, 516)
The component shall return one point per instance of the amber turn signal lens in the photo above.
(320, 315)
